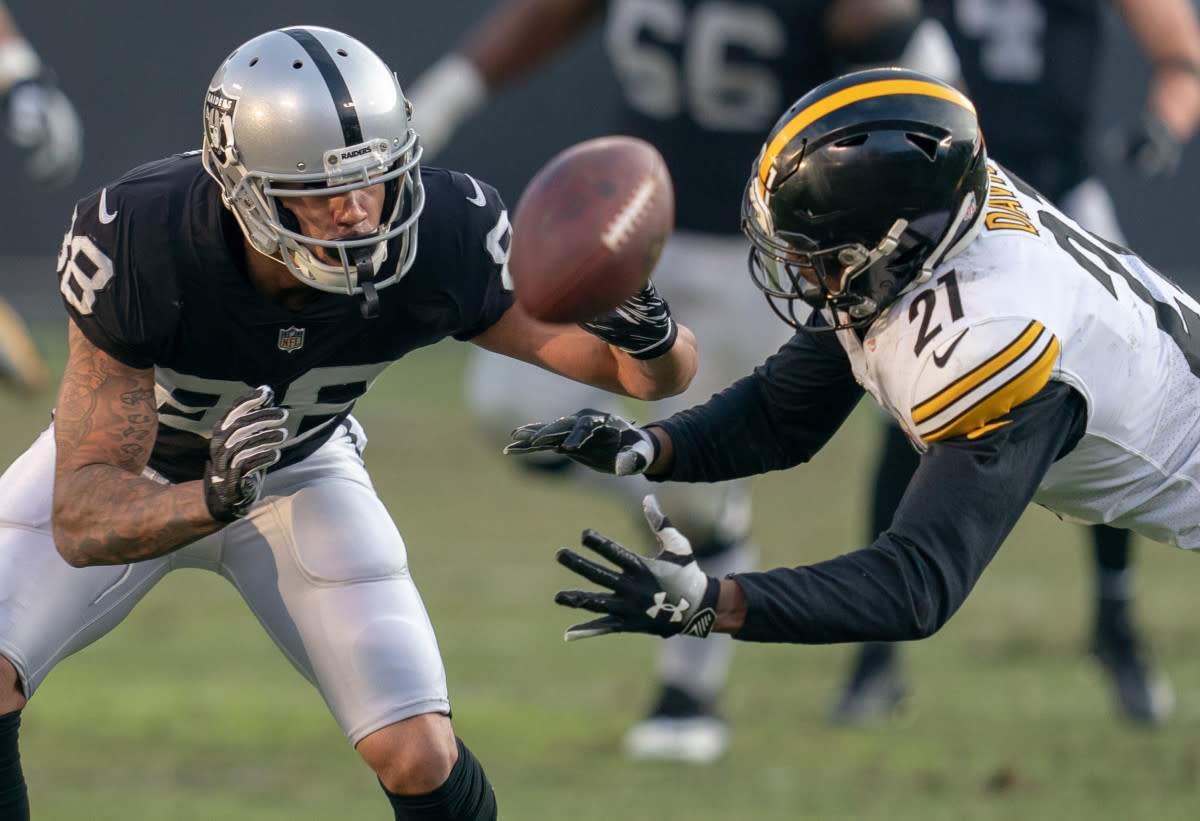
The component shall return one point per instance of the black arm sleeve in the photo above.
(776, 418)
(963, 501)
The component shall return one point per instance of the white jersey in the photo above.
(1037, 298)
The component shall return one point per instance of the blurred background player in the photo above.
(40, 122)
(1031, 66)
(703, 80)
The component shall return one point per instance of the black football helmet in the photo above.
(863, 186)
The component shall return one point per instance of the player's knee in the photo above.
(464, 795)
(418, 770)
(413, 756)
(12, 696)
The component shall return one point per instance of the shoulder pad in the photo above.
(968, 382)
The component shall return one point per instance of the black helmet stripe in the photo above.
(338, 90)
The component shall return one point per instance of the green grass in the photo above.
(188, 712)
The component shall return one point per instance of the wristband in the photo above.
(660, 347)
(655, 445)
(704, 618)
(1184, 64)
(18, 62)
(448, 92)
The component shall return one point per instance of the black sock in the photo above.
(1113, 575)
(466, 795)
(14, 799)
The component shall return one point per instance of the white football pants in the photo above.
(318, 560)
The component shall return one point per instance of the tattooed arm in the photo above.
(105, 423)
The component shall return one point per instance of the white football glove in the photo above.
(244, 444)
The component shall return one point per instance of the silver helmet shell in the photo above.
(309, 111)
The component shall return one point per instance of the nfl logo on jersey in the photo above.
(291, 339)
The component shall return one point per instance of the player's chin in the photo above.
(330, 256)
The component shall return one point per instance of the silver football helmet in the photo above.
(308, 111)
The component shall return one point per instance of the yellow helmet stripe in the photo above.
(865, 91)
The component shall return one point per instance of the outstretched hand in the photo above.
(1148, 148)
(42, 122)
(664, 595)
(599, 440)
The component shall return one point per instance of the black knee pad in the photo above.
(466, 795)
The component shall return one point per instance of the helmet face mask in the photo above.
(864, 186)
(310, 112)
(787, 266)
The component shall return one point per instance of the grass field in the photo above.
(187, 712)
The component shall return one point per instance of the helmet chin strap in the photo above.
(864, 306)
(364, 273)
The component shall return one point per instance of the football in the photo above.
(589, 227)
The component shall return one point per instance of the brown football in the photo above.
(589, 228)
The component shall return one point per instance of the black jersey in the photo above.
(1030, 67)
(704, 81)
(152, 270)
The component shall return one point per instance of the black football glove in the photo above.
(599, 440)
(664, 595)
(244, 444)
(1149, 148)
(641, 326)
(42, 122)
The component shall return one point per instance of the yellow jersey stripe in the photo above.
(975, 434)
(864, 91)
(980, 418)
(974, 378)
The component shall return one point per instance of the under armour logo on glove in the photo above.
(665, 595)
(661, 605)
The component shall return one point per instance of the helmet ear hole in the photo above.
(851, 142)
(925, 144)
